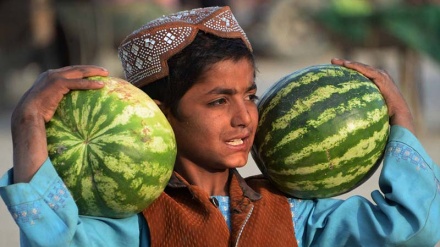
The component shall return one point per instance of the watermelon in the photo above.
(113, 148)
(322, 131)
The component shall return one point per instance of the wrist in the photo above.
(29, 145)
(24, 120)
(403, 119)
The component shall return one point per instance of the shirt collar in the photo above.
(177, 181)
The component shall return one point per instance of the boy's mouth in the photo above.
(235, 142)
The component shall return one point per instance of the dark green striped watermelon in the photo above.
(322, 131)
(113, 148)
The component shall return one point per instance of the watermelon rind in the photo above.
(113, 148)
(322, 131)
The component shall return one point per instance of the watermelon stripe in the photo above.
(304, 110)
(308, 77)
(369, 145)
(300, 105)
(337, 181)
(324, 118)
(330, 140)
(319, 95)
(336, 140)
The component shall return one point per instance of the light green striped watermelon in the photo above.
(322, 131)
(113, 148)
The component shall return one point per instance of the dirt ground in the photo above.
(270, 70)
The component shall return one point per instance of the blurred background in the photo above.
(400, 36)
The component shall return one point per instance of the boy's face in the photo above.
(217, 117)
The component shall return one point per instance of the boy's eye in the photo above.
(253, 98)
(218, 102)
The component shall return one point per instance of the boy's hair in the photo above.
(187, 66)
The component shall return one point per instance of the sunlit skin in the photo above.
(215, 125)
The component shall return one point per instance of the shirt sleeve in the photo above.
(47, 215)
(406, 212)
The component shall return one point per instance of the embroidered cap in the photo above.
(145, 52)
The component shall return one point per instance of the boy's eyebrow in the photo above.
(230, 91)
(252, 87)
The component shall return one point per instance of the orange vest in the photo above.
(185, 216)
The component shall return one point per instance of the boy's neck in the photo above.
(212, 182)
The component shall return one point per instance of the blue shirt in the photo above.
(406, 212)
